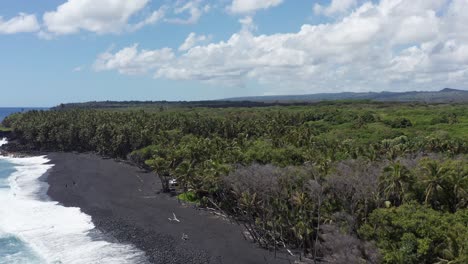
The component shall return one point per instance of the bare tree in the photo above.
(341, 248)
(355, 184)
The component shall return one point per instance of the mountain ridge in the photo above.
(446, 95)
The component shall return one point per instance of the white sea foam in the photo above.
(56, 233)
(3, 141)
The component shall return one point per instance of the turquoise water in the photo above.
(36, 230)
(12, 249)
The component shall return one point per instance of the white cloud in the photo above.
(113, 16)
(417, 28)
(192, 40)
(250, 6)
(19, 24)
(416, 44)
(103, 16)
(457, 19)
(248, 24)
(155, 17)
(194, 8)
(335, 7)
(131, 61)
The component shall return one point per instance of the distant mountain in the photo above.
(162, 105)
(447, 95)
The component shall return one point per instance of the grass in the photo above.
(189, 197)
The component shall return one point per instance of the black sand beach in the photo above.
(124, 203)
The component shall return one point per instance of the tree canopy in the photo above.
(339, 182)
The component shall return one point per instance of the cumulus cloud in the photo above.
(394, 43)
(113, 16)
(335, 7)
(103, 16)
(132, 61)
(19, 24)
(249, 6)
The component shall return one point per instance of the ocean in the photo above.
(6, 111)
(12, 249)
(36, 230)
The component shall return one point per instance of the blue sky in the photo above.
(81, 50)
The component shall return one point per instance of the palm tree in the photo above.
(161, 166)
(433, 179)
(302, 228)
(451, 251)
(457, 186)
(183, 172)
(395, 182)
(371, 153)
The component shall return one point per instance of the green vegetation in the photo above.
(414, 233)
(189, 196)
(4, 129)
(343, 182)
(446, 95)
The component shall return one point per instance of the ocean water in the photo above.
(34, 229)
(6, 111)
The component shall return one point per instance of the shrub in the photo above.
(413, 233)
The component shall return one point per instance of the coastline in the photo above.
(44, 231)
(124, 204)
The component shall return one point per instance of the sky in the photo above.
(60, 51)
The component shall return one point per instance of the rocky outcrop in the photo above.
(5, 134)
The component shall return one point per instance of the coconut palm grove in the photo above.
(357, 181)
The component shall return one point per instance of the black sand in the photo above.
(124, 203)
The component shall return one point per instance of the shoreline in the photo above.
(53, 232)
(125, 204)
